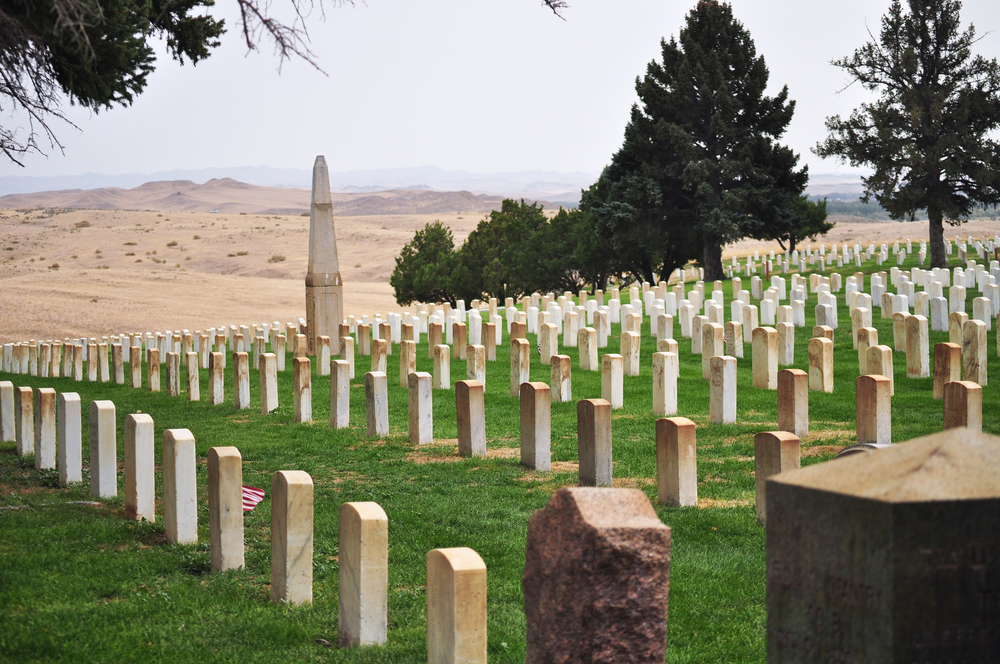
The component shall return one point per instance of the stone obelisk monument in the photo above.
(324, 289)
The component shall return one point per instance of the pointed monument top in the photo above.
(321, 182)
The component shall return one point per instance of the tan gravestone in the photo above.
(917, 348)
(376, 404)
(612, 380)
(69, 432)
(140, 469)
(593, 432)
(8, 427)
(793, 401)
(225, 507)
(291, 537)
(548, 341)
(302, 388)
(774, 452)
(456, 607)
(471, 418)
(722, 390)
(380, 355)
(963, 405)
(820, 364)
(103, 450)
(520, 358)
(173, 367)
(734, 339)
(867, 337)
(947, 366)
(561, 378)
(596, 579)
(241, 381)
(347, 353)
(536, 428)
(475, 363)
(180, 491)
(974, 351)
(676, 462)
(873, 409)
(407, 360)
(765, 358)
(665, 372)
(340, 394)
(712, 345)
(887, 557)
(630, 345)
(268, 383)
(442, 367)
(956, 327)
(421, 409)
(363, 569)
(45, 428)
(880, 364)
(216, 379)
(193, 377)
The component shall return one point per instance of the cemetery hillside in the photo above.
(704, 412)
(438, 427)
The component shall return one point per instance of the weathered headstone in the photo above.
(225, 507)
(793, 401)
(887, 557)
(612, 380)
(241, 380)
(363, 569)
(103, 450)
(180, 490)
(216, 379)
(665, 371)
(676, 462)
(520, 359)
(456, 607)
(268, 383)
(140, 468)
(974, 351)
(302, 388)
(471, 418)
(820, 364)
(45, 428)
(765, 358)
(963, 405)
(69, 427)
(407, 361)
(291, 537)
(596, 579)
(536, 429)
(593, 432)
(774, 452)
(947, 366)
(873, 403)
(712, 345)
(340, 394)
(722, 390)
(8, 427)
(421, 408)
(376, 404)
(561, 378)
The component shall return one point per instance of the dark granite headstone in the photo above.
(892, 556)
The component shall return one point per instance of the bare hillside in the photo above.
(230, 196)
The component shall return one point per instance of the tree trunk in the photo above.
(938, 257)
(712, 259)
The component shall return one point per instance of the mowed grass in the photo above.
(80, 583)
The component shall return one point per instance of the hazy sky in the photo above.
(479, 85)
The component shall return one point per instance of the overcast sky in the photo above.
(479, 85)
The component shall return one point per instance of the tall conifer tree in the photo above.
(700, 165)
(928, 137)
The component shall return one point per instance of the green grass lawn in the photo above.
(80, 583)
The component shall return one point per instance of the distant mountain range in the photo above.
(229, 196)
(533, 185)
(556, 187)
